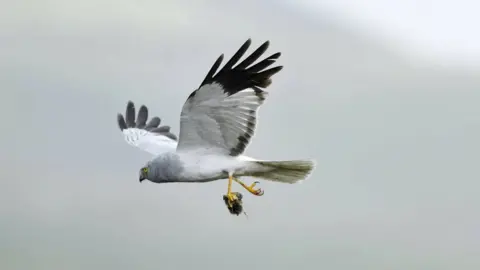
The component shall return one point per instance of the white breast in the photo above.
(209, 167)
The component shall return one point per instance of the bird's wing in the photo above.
(220, 116)
(150, 137)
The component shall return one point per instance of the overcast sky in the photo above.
(443, 30)
(395, 137)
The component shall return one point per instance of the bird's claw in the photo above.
(231, 198)
(257, 192)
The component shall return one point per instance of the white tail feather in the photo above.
(291, 171)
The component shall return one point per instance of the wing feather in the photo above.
(150, 137)
(142, 117)
(130, 115)
(153, 123)
(221, 114)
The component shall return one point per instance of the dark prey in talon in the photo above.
(235, 206)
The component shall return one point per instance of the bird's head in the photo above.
(160, 170)
(145, 173)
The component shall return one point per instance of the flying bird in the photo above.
(217, 122)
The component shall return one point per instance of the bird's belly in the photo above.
(210, 168)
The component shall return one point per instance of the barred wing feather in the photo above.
(221, 114)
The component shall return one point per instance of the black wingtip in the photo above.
(161, 129)
(236, 57)
(246, 74)
(130, 114)
(130, 104)
(265, 76)
(121, 122)
(275, 56)
(210, 73)
(265, 45)
(142, 117)
(153, 123)
(254, 56)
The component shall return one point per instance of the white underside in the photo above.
(212, 166)
(205, 165)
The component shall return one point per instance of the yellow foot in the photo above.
(251, 188)
(231, 198)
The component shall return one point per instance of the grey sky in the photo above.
(441, 30)
(396, 141)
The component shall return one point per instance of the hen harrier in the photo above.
(216, 124)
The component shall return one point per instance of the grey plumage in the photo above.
(219, 103)
(164, 168)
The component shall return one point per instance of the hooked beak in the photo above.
(142, 176)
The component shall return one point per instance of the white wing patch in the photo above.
(150, 142)
(149, 137)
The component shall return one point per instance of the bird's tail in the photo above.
(290, 171)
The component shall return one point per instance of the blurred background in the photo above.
(384, 95)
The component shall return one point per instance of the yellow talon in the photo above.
(251, 188)
(231, 197)
(233, 200)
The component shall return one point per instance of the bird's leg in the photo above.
(233, 200)
(251, 188)
(231, 197)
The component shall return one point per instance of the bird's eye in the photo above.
(145, 170)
